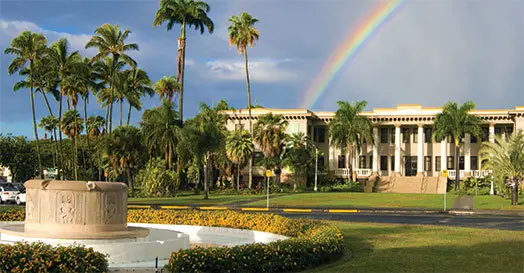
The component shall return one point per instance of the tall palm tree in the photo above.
(50, 124)
(299, 153)
(349, 130)
(28, 47)
(72, 127)
(239, 147)
(138, 86)
(110, 41)
(187, 13)
(160, 127)
(242, 33)
(166, 87)
(270, 134)
(455, 122)
(506, 159)
(124, 152)
(94, 127)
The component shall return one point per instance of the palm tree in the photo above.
(28, 47)
(110, 40)
(187, 13)
(242, 33)
(94, 126)
(160, 129)
(124, 152)
(49, 124)
(72, 127)
(138, 86)
(299, 153)
(349, 130)
(506, 159)
(455, 122)
(270, 134)
(166, 87)
(239, 147)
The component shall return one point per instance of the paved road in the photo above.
(481, 221)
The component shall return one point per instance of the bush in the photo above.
(9, 214)
(315, 242)
(39, 257)
(156, 180)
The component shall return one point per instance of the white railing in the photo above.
(452, 174)
(480, 173)
(360, 172)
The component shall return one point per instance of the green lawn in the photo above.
(416, 248)
(195, 200)
(496, 203)
(360, 200)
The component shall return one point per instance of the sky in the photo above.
(428, 52)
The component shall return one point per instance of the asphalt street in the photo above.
(473, 221)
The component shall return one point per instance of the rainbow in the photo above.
(349, 48)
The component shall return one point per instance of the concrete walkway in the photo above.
(463, 202)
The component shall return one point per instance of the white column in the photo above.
(443, 155)
(397, 148)
(492, 132)
(420, 150)
(375, 150)
(467, 154)
(332, 158)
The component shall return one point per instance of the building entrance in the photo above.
(410, 166)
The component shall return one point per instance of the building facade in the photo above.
(404, 144)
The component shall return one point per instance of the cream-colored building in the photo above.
(405, 158)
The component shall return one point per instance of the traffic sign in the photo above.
(268, 173)
(445, 173)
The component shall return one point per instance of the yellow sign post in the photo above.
(445, 173)
(268, 173)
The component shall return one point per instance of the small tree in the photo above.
(506, 159)
(299, 154)
(156, 180)
(239, 147)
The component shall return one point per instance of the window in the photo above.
(461, 163)
(451, 163)
(321, 161)
(473, 139)
(309, 130)
(362, 162)
(384, 135)
(485, 134)
(474, 163)
(392, 163)
(341, 161)
(427, 163)
(319, 134)
(383, 163)
(239, 126)
(498, 131)
(437, 163)
(509, 131)
(427, 135)
(370, 163)
(393, 135)
(415, 135)
(405, 135)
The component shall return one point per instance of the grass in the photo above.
(493, 202)
(418, 248)
(196, 200)
(360, 200)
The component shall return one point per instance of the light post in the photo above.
(316, 168)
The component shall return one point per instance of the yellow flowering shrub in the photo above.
(12, 214)
(313, 242)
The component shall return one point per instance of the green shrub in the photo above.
(9, 214)
(314, 242)
(39, 257)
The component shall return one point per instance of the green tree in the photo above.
(455, 122)
(111, 41)
(125, 152)
(138, 85)
(50, 124)
(18, 155)
(167, 87)
(106, 71)
(299, 155)
(239, 147)
(270, 134)
(187, 13)
(28, 47)
(72, 127)
(242, 33)
(160, 128)
(349, 129)
(506, 159)
(156, 180)
(94, 129)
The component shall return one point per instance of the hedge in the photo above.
(40, 257)
(314, 242)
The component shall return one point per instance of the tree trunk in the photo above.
(457, 170)
(110, 117)
(238, 177)
(75, 162)
(85, 126)
(107, 119)
(121, 105)
(40, 169)
(128, 114)
(515, 192)
(248, 85)
(348, 163)
(206, 178)
(47, 104)
(61, 165)
(181, 64)
(130, 180)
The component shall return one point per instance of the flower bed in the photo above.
(315, 242)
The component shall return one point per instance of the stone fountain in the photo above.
(93, 214)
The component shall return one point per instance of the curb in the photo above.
(328, 211)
